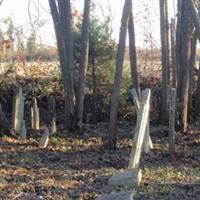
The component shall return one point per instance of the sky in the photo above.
(146, 14)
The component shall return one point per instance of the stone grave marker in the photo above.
(44, 139)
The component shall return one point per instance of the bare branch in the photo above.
(1, 1)
(30, 18)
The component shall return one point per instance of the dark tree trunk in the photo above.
(195, 16)
(197, 99)
(165, 57)
(118, 73)
(133, 56)
(83, 65)
(184, 49)
(94, 84)
(191, 68)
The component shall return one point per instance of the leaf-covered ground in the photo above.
(79, 166)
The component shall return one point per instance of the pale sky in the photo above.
(146, 20)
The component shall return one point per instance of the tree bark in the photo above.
(197, 100)
(83, 65)
(118, 73)
(184, 50)
(133, 56)
(165, 57)
(195, 16)
(62, 19)
(191, 68)
(173, 53)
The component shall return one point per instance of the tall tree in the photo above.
(173, 52)
(62, 19)
(165, 56)
(184, 52)
(118, 73)
(83, 64)
(133, 56)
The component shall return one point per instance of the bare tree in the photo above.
(118, 73)
(184, 52)
(165, 57)
(83, 64)
(173, 52)
(61, 15)
(133, 56)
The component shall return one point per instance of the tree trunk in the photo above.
(165, 57)
(197, 99)
(133, 56)
(62, 19)
(185, 54)
(83, 65)
(191, 68)
(173, 53)
(118, 73)
(178, 45)
(195, 16)
(94, 84)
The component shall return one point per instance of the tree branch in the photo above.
(1, 1)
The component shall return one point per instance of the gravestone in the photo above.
(45, 139)
(53, 128)
(18, 111)
(23, 131)
(35, 116)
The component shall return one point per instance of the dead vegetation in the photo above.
(78, 167)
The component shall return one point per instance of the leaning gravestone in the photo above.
(18, 111)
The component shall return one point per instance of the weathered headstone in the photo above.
(35, 116)
(172, 118)
(140, 130)
(118, 196)
(23, 131)
(53, 129)
(45, 139)
(18, 110)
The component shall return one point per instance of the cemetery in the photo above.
(99, 100)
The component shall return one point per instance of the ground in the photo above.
(79, 166)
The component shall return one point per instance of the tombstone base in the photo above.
(129, 178)
(117, 196)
